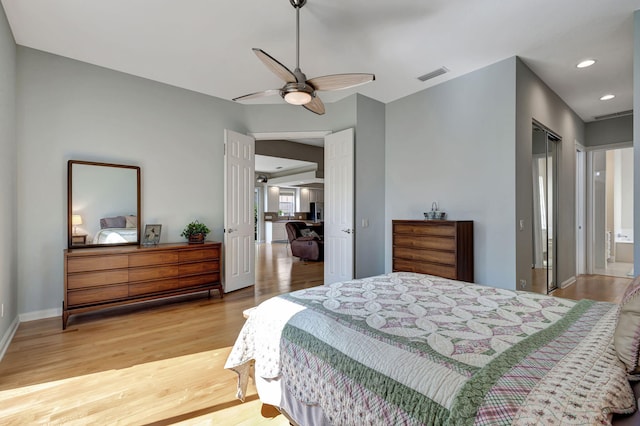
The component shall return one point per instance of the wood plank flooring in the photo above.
(158, 363)
(595, 287)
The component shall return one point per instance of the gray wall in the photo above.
(8, 196)
(536, 101)
(607, 132)
(369, 187)
(465, 143)
(72, 110)
(455, 143)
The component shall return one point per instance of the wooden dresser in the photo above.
(436, 247)
(96, 278)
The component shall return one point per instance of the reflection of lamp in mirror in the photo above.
(76, 220)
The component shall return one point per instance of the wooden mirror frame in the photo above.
(70, 165)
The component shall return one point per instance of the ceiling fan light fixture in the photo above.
(297, 98)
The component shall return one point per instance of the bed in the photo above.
(117, 230)
(413, 349)
(116, 236)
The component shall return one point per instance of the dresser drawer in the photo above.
(200, 280)
(150, 287)
(425, 268)
(201, 254)
(96, 295)
(98, 278)
(199, 267)
(95, 263)
(154, 273)
(425, 228)
(148, 259)
(437, 243)
(435, 256)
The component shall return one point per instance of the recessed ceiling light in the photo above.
(586, 63)
(607, 97)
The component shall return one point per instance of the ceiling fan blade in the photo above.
(276, 67)
(315, 105)
(340, 81)
(257, 95)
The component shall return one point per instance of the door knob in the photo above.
(348, 231)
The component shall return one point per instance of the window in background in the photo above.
(287, 202)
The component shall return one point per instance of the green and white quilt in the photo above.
(412, 349)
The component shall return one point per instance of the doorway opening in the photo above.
(289, 170)
(611, 175)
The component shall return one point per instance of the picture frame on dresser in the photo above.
(151, 236)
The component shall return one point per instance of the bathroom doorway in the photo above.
(611, 174)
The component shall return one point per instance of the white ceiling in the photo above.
(267, 164)
(205, 45)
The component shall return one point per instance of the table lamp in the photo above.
(76, 220)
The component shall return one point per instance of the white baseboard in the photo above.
(8, 336)
(37, 315)
(569, 281)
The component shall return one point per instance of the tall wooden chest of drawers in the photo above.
(96, 278)
(436, 247)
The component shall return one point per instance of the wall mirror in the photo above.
(103, 204)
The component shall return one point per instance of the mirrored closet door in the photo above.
(545, 195)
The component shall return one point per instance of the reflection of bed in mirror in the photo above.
(116, 236)
(117, 230)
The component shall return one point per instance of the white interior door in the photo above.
(338, 207)
(239, 245)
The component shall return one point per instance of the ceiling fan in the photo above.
(297, 89)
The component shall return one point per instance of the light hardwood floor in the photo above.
(595, 287)
(158, 363)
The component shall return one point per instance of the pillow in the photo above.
(113, 222)
(626, 338)
(305, 232)
(131, 221)
(314, 234)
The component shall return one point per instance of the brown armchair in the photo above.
(304, 244)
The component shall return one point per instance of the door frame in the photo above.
(581, 209)
(293, 136)
(590, 219)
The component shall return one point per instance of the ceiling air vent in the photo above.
(614, 115)
(433, 74)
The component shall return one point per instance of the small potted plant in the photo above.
(195, 232)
